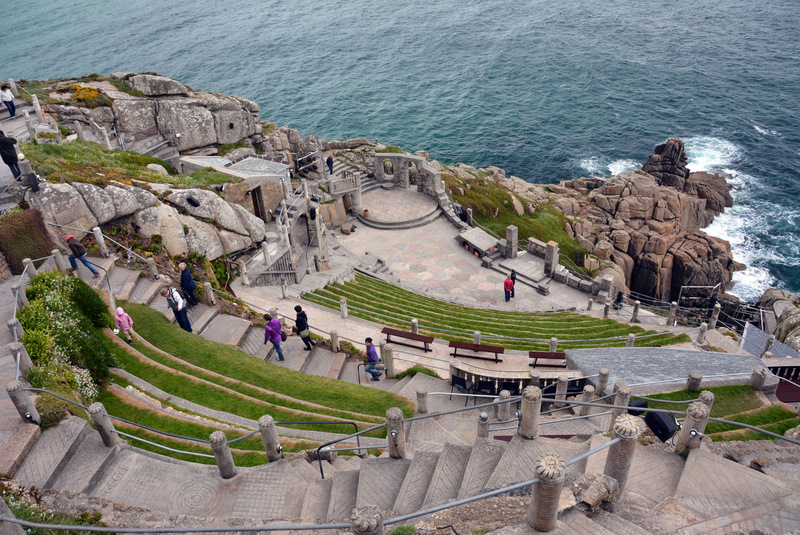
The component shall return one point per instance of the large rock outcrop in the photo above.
(786, 307)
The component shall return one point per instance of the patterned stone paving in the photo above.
(418, 478)
(397, 205)
(485, 455)
(47, 453)
(517, 463)
(380, 481)
(343, 494)
(448, 474)
(84, 465)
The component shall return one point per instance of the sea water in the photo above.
(546, 90)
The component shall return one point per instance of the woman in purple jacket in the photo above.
(272, 333)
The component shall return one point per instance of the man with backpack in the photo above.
(178, 306)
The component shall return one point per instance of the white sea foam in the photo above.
(705, 153)
(593, 165)
(597, 166)
(618, 166)
(765, 131)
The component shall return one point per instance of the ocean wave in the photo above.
(765, 131)
(598, 166)
(618, 166)
(706, 153)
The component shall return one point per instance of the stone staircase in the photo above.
(421, 221)
(368, 183)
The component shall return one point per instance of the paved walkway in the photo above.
(396, 205)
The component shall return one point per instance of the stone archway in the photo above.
(301, 231)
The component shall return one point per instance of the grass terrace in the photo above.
(383, 303)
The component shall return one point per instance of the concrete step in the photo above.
(343, 495)
(336, 366)
(431, 431)
(18, 445)
(51, 453)
(293, 352)
(304, 469)
(320, 361)
(398, 386)
(88, 465)
(123, 282)
(402, 225)
(224, 329)
(350, 371)
(483, 459)
(146, 290)
(253, 342)
(201, 315)
(447, 475)
(316, 501)
(415, 485)
(380, 480)
(103, 266)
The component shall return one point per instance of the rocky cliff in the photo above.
(786, 307)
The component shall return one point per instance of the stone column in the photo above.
(29, 125)
(15, 327)
(707, 398)
(102, 422)
(504, 409)
(414, 326)
(622, 399)
(422, 401)
(401, 173)
(101, 242)
(379, 175)
(395, 433)
(343, 307)
(476, 337)
(606, 309)
(335, 341)
(530, 407)
(589, 304)
(586, 397)
(602, 382)
(388, 360)
(673, 312)
(151, 267)
(208, 296)
(30, 269)
(483, 425)
(355, 197)
(561, 391)
(693, 427)
(470, 220)
(758, 378)
(712, 324)
(631, 340)
(635, 314)
(694, 380)
(551, 258)
(767, 348)
(366, 520)
(284, 288)
(19, 292)
(37, 109)
(543, 512)
(222, 453)
(319, 231)
(286, 189)
(536, 378)
(243, 272)
(265, 251)
(13, 86)
(269, 436)
(620, 455)
(304, 182)
(701, 334)
(61, 263)
(23, 402)
(512, 241)
(553, 344)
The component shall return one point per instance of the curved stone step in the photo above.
(402, 225)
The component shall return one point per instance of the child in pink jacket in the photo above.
(124, 323)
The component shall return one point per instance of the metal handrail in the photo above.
(121, 433)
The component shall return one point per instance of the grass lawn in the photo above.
(730, 399)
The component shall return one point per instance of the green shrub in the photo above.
(414, 370)
(393, 148)
(23, 235)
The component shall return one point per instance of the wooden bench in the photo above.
(426, 340)
(547, 355)
(477, 348)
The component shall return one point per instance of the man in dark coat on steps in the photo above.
(329, 161)
(9, 154)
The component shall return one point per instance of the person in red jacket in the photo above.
(508, 286)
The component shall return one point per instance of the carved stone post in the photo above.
(287, 189)
(30, 269)
(243, 272)
(767, 348)
(265, 251)
(635, 314)
(208, 296)
(631, 340)
(269, 436)
(536, 378)
(561, 390)
(602, 382)
(222, 453)
(102, 422)
(701, 334)
(712, 324)
(19, 292)
(395, 433)
(693, 427)
(606, 309)
(504, 409)
(37, 108)
(476, 337)
(586, 397)
(758, 378)
(543, 512)
(589, 304)
(620, 455)
(23, 403)
(101, 242)
(15, 327)
(673, 312)
(623, 398)
(25, 363)
(707, 398)
(483, 425)
(61, 263)
(414, 325)
(355, 196)
(29, 124)
(530, 407)
(551, 258)
(422, 401)
(694, 380)
(343, 307)
(366, 520)
(553, 344)
(284, 288)
(388, 360)
(512, 241)
(335, 342)
(151, 267)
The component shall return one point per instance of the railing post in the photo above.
(19, 291)
(422, 401)
(712, 324)
(767, 348)
(694, 425)
(707, 397)
(15, 327)
(606, 309)
(335, 341)
(265, 250)
(287, 191)
(23, 403)
(388, 360)
(414, 325)
(101, 242)
(151, 267)
(100, 419)
(635, 314)
(631, 340)
(243, 272)
(208, 292)
(530, 407)
(623, 398)
(269, 436)
(504, 409)
(553, 344)
(476, 337)
(29, 125)
(758, 378)
(673, 312)
(701, 334)
(25, 362)
(543, 512)
(586, 397)
(13, 86)
(30, 269)
(589, 304)
(395, 433)
(61, 264)
(620, 455)
(222, 453)
(561, 391)
(536, 378)
(343, 307)
(483, 425)
(602, 382)
(304, 183)
(284, 288)
(694, 380)
(366, 520)
(37, 108)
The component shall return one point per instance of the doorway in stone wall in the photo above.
(302, 234)
(347, 201)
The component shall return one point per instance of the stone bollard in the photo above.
(29, 125)
(530, 407)
(269, 436)
(343, 307)
(692, 429)
(395, 433)
(284, 288)
(388, 360)
(414, 325)
(366, 520)
(712, 324)
(25, 363)
(100, 419)
(543, 512)
(602, 382)
(222, 453)
(243, 272)
(335, 342)
(622, 399)
(586, 397)
(561, 391)
(422, 401)
(208, 294)
(37, 109)
(767, 348)
(19, 292)
(101, 242)
(151, 267)
(536, 378)
(589, 304)
(483, 425)
(673, 312)
(30, 269)
(476, 337)
(61, 263)
(707, 398)
(606, 309)
(635, 314)
(701, 335)
(619, 383)
(504, 409)
(553, 344)
(758, 378)
(694, 380)
(620, 455)
(15, 327)
(265, 252)
(631, 340)
(23, 403)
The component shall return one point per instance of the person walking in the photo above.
(372, 360)
(178, 306)
(508, 286)
(124, 323)
(273, 332)
(329, 161)
(188, 285)
(8, 99)
(302, 327)
(9, 154)
(79, 252)
(513, 277)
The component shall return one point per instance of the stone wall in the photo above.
(5, 271)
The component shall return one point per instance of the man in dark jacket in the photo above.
(302, 327)
(188, 286)
(178, 306)
(329, 161)
(9, 154)
(79, 252)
